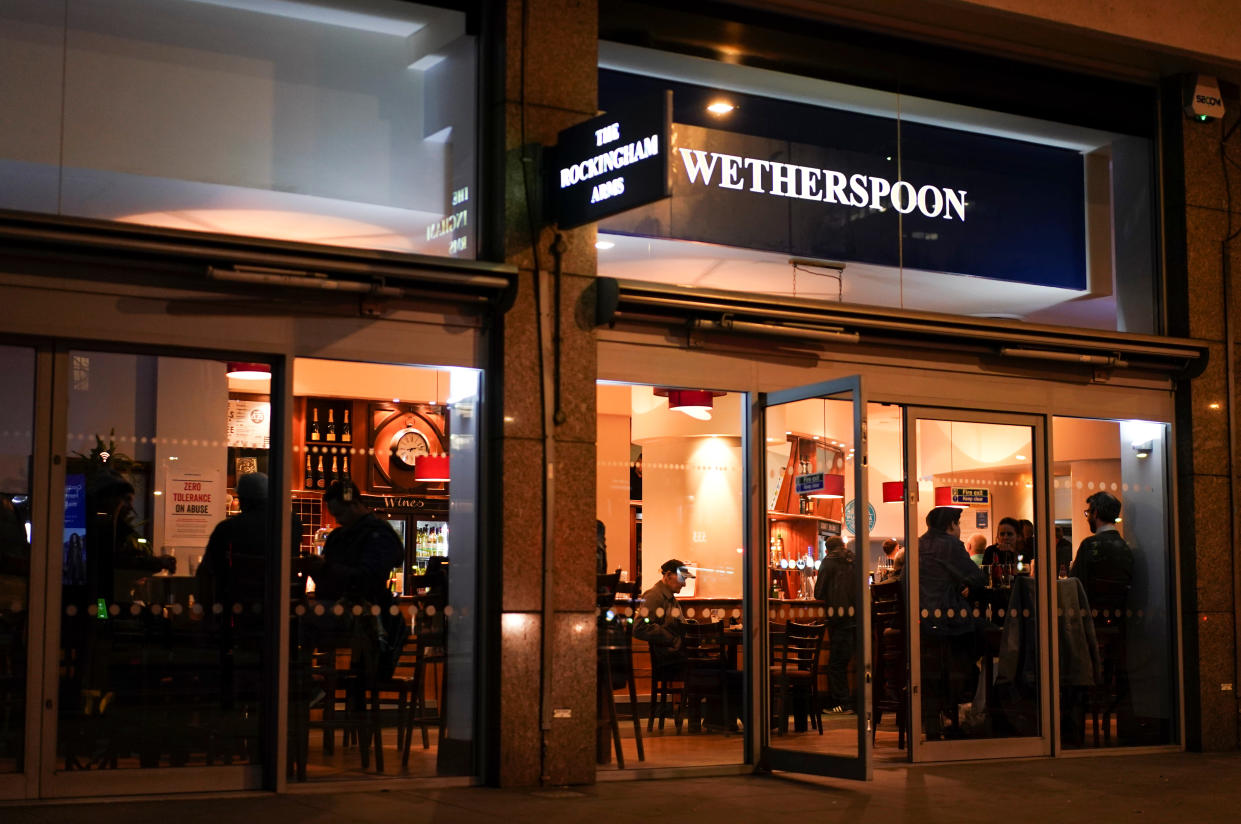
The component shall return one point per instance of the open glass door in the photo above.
(813, 603)
(977, 585)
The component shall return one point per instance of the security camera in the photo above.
(1203, 101)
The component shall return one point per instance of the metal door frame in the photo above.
(757, 642)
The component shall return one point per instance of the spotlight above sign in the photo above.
(612, 163)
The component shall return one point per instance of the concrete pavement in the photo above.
(1171, 787)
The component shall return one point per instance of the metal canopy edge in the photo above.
(802, 319)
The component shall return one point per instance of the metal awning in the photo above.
(813, 322)
(185, 258)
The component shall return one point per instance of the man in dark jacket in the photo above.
(660, 623)
(359, 554)
(835, 586)
(1104, 562)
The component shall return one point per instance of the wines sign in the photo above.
(613, 162)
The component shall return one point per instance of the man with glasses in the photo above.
(1104, 562)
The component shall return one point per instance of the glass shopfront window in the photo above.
(314, 122)
(16, 507)
(1115, 594)
(670, 489)
(166, 566)
(812, 189)
(381, 662)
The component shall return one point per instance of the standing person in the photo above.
(661, 625)
(359, 554)
(1004, 550)
(835, 586)
(233, 566)
(1104, 562)
(946, 580)
(1064, 552)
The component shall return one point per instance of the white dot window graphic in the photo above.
(72, 610)
(448, 610)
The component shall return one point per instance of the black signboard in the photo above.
(824, 183)
(612, 163)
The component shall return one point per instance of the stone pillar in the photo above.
(1205, 477)
(560, 79)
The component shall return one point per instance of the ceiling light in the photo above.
(719, 108)
(696, 403)
(249, 371)
(604, 245)
(1020, 457)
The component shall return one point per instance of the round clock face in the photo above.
(408, 444)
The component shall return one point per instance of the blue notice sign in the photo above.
(807, 484)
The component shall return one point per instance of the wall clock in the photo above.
(399, 434)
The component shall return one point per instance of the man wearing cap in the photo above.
(660, 623)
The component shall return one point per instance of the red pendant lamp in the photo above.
(893, 492)
(696, 403)
(833, 487)
(431, 468)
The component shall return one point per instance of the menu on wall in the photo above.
(194, 502)
(249, 424)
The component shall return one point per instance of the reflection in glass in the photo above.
(162, 597)
(16, 446)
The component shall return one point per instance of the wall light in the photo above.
(719, 108)
(604, 245)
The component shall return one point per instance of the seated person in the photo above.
(977, 545)
(661, 626)
(1004, 550)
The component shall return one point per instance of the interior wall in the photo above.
(313, 377)
(612, 485)
(191, 419)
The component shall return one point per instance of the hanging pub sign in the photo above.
(612, 163)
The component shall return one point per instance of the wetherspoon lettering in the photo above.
(826, 185)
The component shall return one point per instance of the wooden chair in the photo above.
(890, 694)
(615, 669)
(794, 667)
(706, 672)
(430, 653)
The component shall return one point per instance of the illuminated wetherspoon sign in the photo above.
(613, 162)
(770, 177)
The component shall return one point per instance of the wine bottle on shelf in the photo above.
(310, 475)
(331, 427)
(321, 483)
(335, 475)
(314, 424)
(346, 433)
(344, 467)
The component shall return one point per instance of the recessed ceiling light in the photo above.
(604, 244)
(720, 107)
(1020, 457)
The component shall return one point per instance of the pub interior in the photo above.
(670, 487)
(163, 647)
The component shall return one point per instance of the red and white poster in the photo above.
(194, 502)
